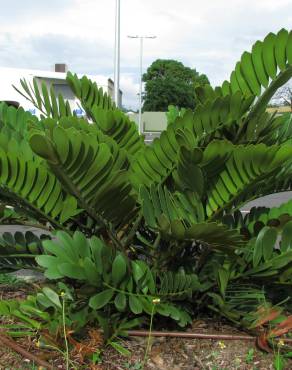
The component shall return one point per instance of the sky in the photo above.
(209, 36)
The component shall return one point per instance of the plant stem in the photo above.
(65, 334)
(203, 258)
(132, 232)
(173, 294)
(149, 337)
(157, 241)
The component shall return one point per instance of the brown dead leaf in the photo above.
(282, 328)
(263, 343)
(266, 315)
(87, 348)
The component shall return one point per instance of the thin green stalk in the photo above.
(18, 255)
(132, 232)
(64, 331)
(157, 241)
(174, 294)
(150, 332)
(58, 350)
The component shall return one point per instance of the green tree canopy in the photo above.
(169, 82)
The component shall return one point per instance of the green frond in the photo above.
(283, 132)
(213, 115)
(251, 223)
(259, 74)
(118, 126)
(103, 112)
(244, 169)
(181, 217)
(15, 120)
(31, 185)
(266, 128)
(256, 69)
(270, 254)
(93, 172)
(188, 176)
(44, 99)
(18, 249)
(89, 93)
(239, 303)
(157, 161)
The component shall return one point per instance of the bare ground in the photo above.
(164, 354)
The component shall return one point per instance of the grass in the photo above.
(8, 279)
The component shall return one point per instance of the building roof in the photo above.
(49, 74)
(12, 76)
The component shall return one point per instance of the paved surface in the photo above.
(23, 228)
(274, 200)
(28, 275)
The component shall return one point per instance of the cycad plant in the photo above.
(132, 230)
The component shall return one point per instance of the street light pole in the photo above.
(117, 55)
(141, 75)
(140, 87)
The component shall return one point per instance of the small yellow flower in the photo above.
(281, 343)
(156, 300)
(62, 294)
(221, 345)
(38, 344)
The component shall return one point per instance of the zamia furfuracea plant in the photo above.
(135, 229)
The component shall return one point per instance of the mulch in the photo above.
(164, 354)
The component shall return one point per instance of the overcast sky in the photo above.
(209, 35)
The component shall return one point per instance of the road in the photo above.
(273, 200)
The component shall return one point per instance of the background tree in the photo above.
(169, 82)
(284, 96)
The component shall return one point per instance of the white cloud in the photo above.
(130, 87)
(207, 35)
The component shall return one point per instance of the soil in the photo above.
(164, 353)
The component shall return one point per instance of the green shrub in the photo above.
(140, 230)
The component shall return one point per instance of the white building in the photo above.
(57, 79)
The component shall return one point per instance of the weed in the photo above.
(279, 362)
(249, 356)
(63, 295)
(154, 302)
(97, 357)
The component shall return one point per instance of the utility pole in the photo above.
(117, 55)
(141, 74)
